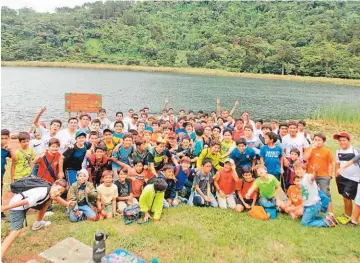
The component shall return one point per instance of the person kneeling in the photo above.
(38, 198)
(125, 195)
(224, 182)
(242, 187)
(81, 192)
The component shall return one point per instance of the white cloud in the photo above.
(43, 5)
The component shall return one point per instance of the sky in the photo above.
(43, 5)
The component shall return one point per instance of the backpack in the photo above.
(177, 171)
(28, 183)
(132, 214)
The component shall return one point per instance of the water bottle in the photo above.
(99, 246)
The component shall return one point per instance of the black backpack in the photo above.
(30, 182)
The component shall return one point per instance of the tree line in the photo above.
(318, 38)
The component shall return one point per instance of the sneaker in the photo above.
(37, 225)
(3, 216)
(351, 223)
(343, 219)
(49, 213)
(332, 218)
(329, 222)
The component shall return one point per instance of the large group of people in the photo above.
(97, 168)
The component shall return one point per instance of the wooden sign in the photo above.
(84, 102)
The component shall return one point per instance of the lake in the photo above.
(26, 90)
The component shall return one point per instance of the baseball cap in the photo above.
(172, 135)
(79, 133)
(338, 135)
(228, 160)
(100, 146)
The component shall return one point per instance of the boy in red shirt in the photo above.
(224, 182)
(242, 187)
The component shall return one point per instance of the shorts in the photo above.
(324, 185)
(239, 202)
(357, 198)
(346, 187)
(17, 219)
(108, 209)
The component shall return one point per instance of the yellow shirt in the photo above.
(23, 162)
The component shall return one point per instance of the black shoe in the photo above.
(3, 216)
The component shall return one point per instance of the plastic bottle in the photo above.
(99, 246)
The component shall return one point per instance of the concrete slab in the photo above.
(69, 250)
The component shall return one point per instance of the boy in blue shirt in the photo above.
(271, 155)
(183, 182)
(243, 156)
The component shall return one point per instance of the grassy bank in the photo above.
(198, 71)
(338, 113)
(189, 234)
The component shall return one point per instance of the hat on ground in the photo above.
(83, 171)
(79, 133)
(338, 135)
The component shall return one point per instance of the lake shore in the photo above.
(196, 71)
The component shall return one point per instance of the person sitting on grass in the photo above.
(242, 187)
(224, 182)
(293, 206)
(84, 195)
(125, 195)
(201, 194)
(269, 188)
(23, 159)
(151, 200)
(107, 194)
(38, 198)
(311, 200)
(182, 174)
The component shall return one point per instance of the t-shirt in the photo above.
(198, 146)
(343, 156)
(267, 188)
(33, 196)
(107, 193)
(122, 155)
(118, 136)
(226, 181)
(202, 180)
(23, 162)
(4, 154)
(322, 157)
(53, 161)
(45, 136)
(105, 123)
(65, 139)
(158, 158)
(124, 189)
(244, 189)
(181, 176)
(237, 134)
(109, 147)
(37, 145)
(225, 147)
(243, 159)
(82, 195)
(272, 158)
(138, 183)
(294, 194)
(74, 157)
(309, 191)
(142, 156)
(298, 142)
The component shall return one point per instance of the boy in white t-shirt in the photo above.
(293, 140)
(311, 200)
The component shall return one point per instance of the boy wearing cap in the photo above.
(151, 199)
(72, 159)
(224, 182)
(82, 193)
(97, 163)
(347, 179)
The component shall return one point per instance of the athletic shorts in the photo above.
(239, 202)
(324, 185)
(346, 187)
(357, 198)
(17, 219)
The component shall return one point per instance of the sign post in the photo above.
(85, 102)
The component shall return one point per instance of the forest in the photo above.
(308, 38)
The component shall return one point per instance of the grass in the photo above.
(190, 234)
(198, 71)
(338, 113)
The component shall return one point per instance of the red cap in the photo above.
(338, 135)
(172, 135)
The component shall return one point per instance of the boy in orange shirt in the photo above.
(293, 205)
(320, 157)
